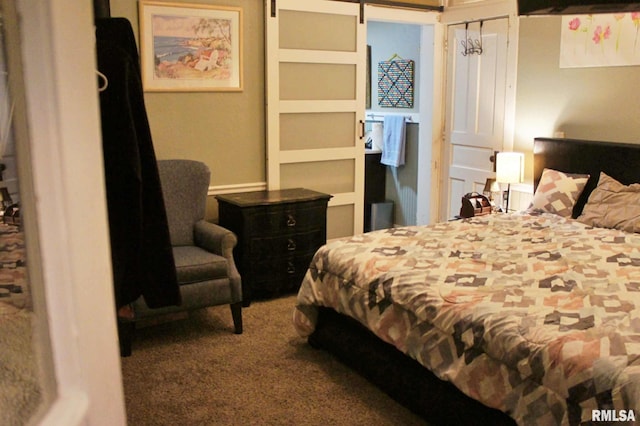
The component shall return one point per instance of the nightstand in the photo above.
(278, 234)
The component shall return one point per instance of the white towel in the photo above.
(394, 140)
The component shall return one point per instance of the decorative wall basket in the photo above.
(395, 83)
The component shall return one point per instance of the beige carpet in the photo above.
(195, 371)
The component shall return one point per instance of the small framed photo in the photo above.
(190, 47)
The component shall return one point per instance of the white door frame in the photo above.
(431, 103)
(69, 205)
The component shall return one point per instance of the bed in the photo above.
(524, 318)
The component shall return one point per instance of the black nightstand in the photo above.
(278, 234)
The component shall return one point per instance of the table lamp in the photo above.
(509, 169)
(491, 187)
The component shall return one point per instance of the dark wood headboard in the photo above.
(618, 160)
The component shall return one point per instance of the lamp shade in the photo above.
(491, 185)
(510, 167)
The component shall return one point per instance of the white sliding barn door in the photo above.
(316, 52)
(475, 109)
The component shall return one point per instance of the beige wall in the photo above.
(226, 130)
(585, 103)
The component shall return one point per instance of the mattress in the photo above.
(532, 314)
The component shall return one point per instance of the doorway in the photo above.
(410, 35)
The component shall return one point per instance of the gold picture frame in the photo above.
(190, 47)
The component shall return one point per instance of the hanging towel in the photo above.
(393, 140)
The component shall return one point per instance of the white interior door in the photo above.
(475, 108)
(316, 53)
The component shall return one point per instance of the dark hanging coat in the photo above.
(141, 253)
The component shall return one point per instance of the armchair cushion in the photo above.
(194, 264)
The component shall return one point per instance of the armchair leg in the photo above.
(126, 330)
(236, 313)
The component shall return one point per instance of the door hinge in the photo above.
(273, 8)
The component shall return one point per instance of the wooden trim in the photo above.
(241, 187)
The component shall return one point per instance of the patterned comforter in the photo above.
(532, 314)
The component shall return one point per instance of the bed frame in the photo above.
(403, 378)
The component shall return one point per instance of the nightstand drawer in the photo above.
(280, 275)
(290, 218)
(287, 244)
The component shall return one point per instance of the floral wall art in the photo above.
(602, 40)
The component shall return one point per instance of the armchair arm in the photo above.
(220, 241)
(214, 238)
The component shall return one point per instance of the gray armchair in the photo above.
(203, 251)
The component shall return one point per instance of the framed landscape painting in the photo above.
(190, 47)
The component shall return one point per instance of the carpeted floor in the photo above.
(195, 371)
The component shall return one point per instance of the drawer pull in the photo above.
(291, 245)
(291, 268)
(291, 221)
